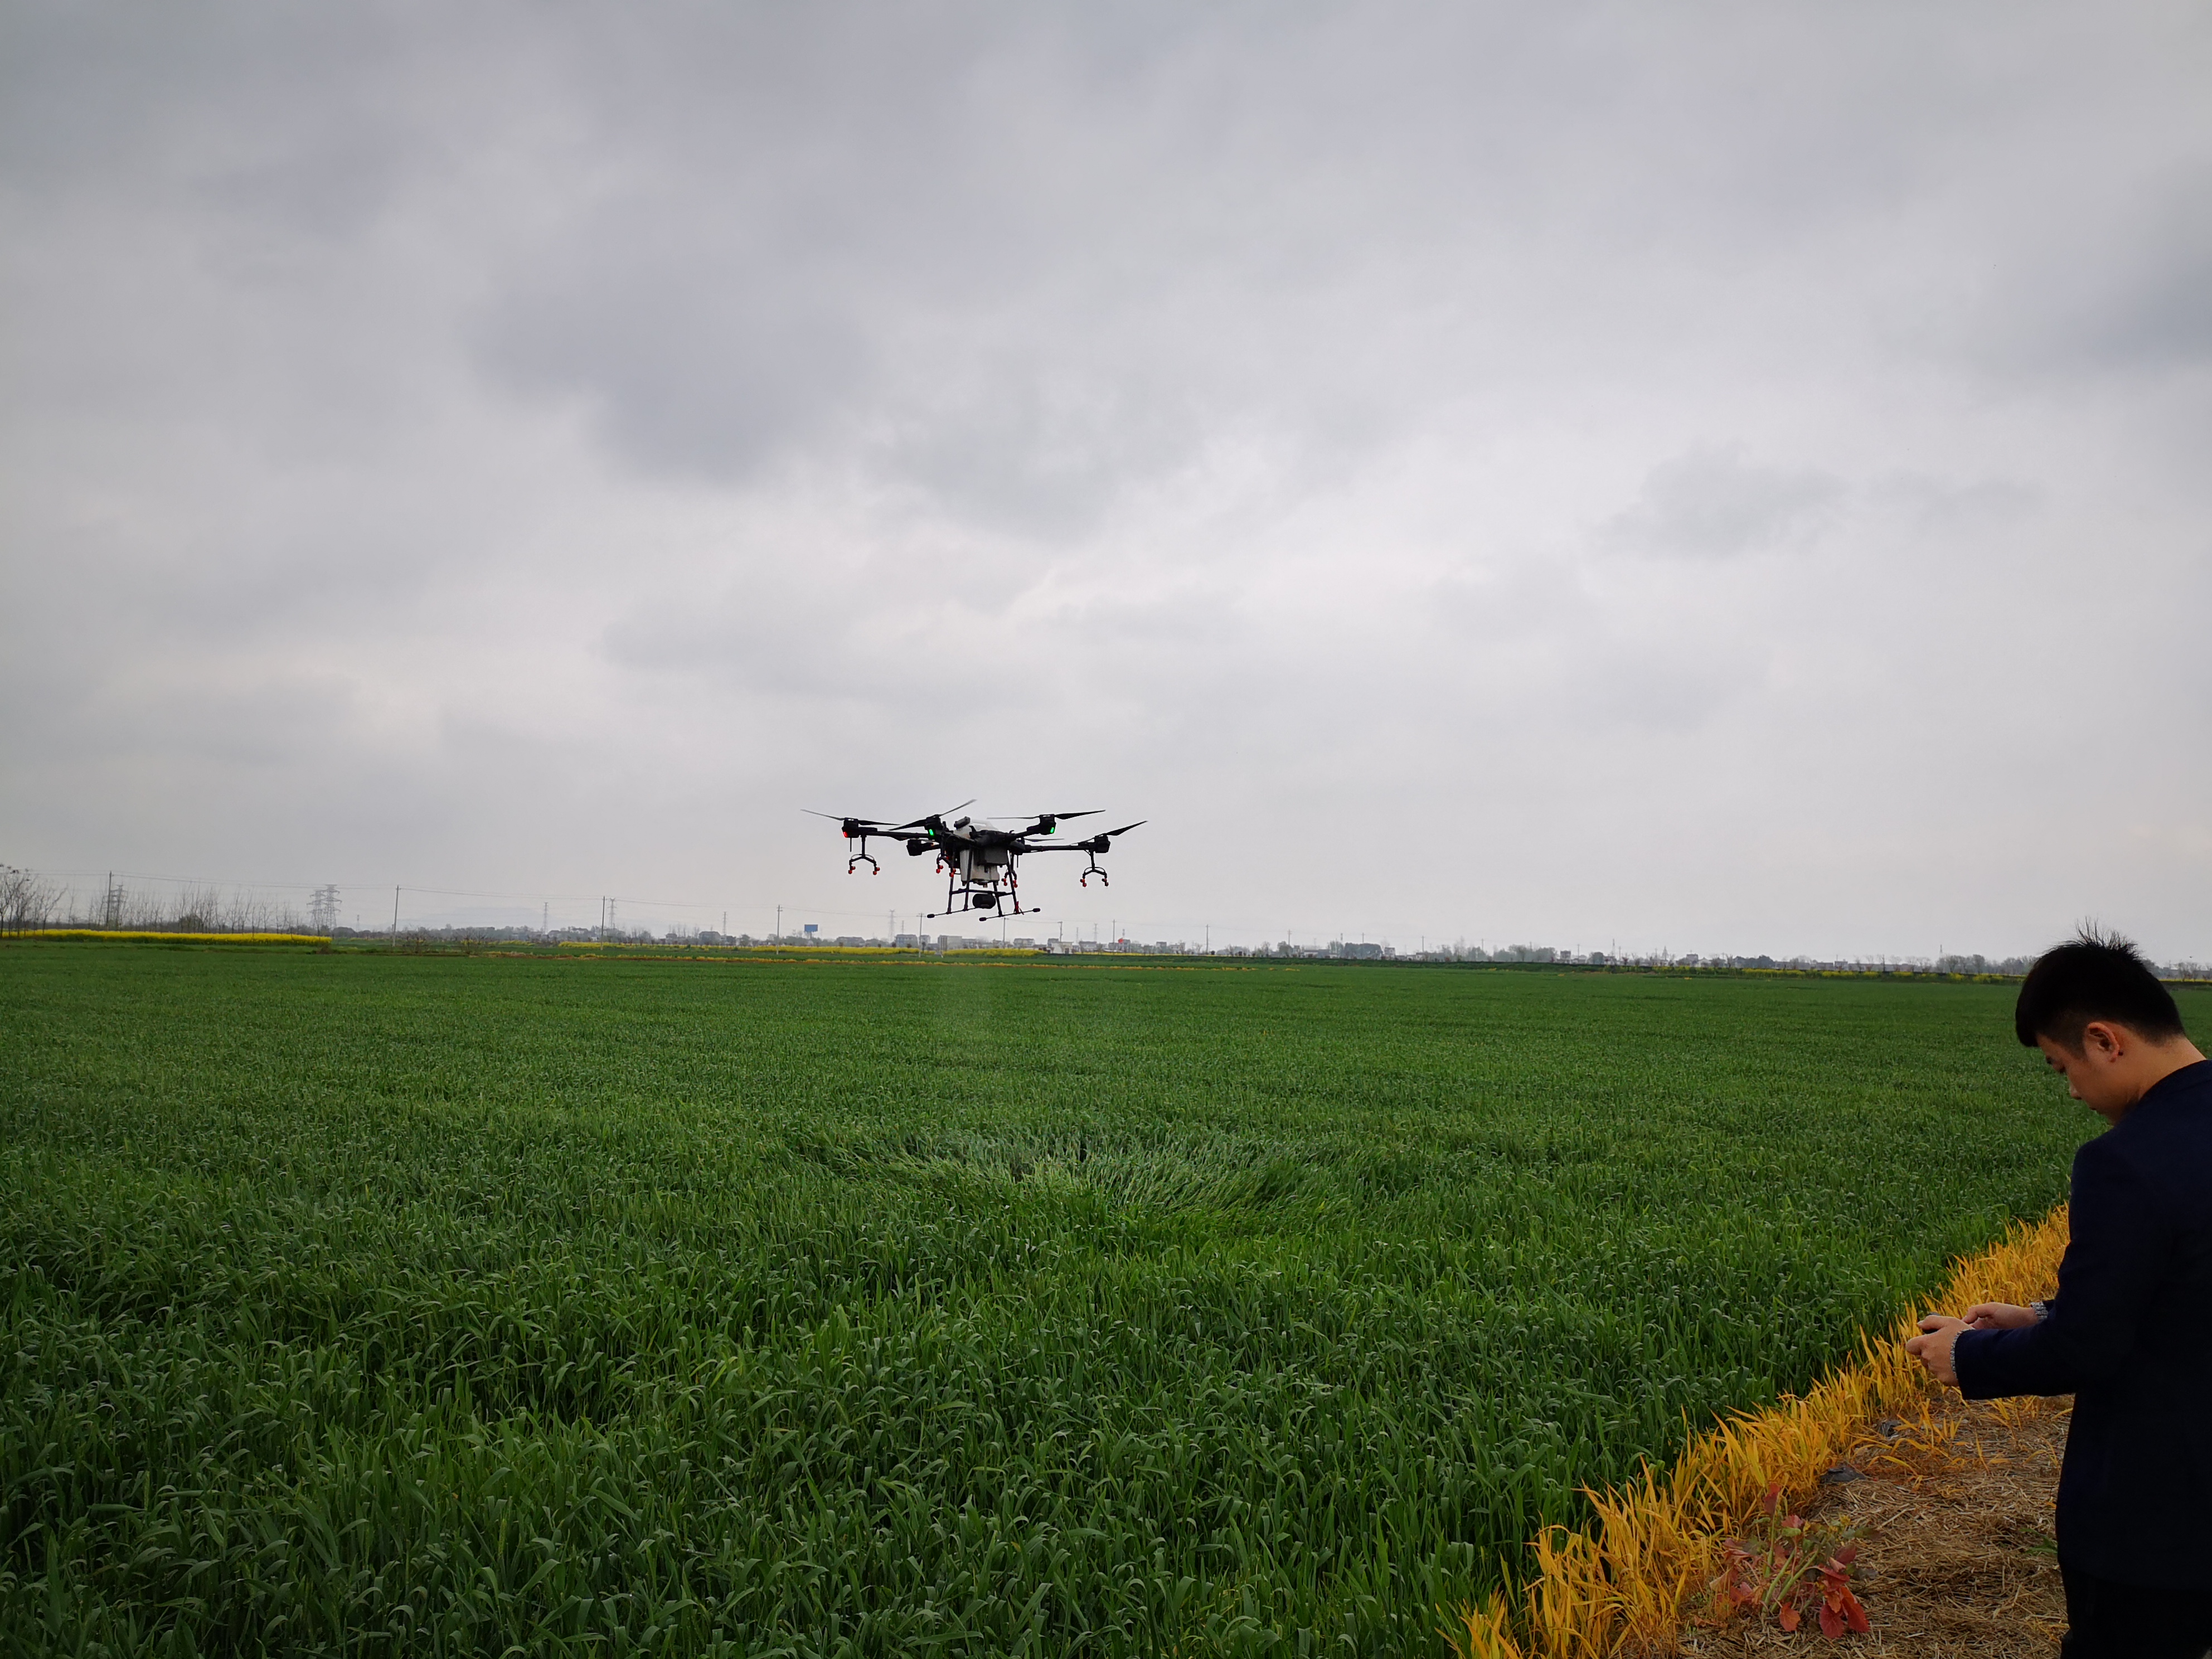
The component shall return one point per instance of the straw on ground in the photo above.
(1632, 1579)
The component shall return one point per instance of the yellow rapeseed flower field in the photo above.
(119, 936)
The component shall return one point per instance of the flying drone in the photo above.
(978, 860)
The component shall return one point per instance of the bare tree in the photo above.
(28, 900)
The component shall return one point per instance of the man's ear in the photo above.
(2103, 1039)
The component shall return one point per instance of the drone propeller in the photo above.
(934, 821)
(852, 827)
(1044, 824)
(1099, 843)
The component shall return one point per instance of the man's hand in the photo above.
(1932, 1348)
(1998, 1316)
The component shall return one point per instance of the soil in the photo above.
(1957, 1560)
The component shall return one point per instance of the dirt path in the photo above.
(1958, 1560)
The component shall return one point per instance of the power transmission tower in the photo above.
(322, 909)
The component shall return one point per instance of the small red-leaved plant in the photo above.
(1788, 1568)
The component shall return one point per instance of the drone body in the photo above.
(980, 861)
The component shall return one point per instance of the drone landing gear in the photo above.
(1094, 871)
(1014, 892)
(874, 869)
(973, 895)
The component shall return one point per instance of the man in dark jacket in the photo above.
(2129, 1334)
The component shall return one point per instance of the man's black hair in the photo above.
(2093, 975)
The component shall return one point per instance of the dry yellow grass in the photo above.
(1957, 1558)
(1631, 1580)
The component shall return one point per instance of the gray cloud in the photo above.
(2146, 304)
(714, 370)
(1675, 448)
(1714, 503)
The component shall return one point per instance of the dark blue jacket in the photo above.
(2129, 1336)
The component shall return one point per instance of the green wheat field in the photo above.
(455, 1304)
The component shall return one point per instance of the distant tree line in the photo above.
(29, 902)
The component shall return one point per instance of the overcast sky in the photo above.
(1734, 478)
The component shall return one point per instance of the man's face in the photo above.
(2096, 1074)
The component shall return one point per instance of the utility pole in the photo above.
(395, 918)
(778, 940)
(602, 919)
